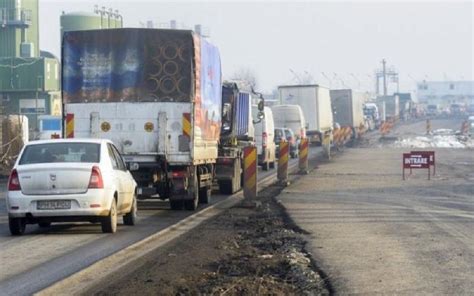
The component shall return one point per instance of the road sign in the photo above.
(431, 156)
(416, 161)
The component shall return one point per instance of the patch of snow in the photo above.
(443, 131)
(436, 141)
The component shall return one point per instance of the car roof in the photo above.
(74, 140)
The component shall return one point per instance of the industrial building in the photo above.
(30, 78)
(444, 93)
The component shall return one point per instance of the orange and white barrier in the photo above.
(69, 125)
(250, 172)
(303, 155)
(465, 127)
(386, 127)
(282, 172)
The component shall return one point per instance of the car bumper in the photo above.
(20, 205)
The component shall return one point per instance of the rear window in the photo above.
(61, 152)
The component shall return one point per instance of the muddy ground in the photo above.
(241, 252)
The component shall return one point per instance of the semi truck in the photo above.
(157, 95)
(237, 132)
(348, 108)
(315, 101)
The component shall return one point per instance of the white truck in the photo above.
(157, 95)
(315, 101)
(348, 108)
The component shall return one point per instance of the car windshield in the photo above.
(61, 152)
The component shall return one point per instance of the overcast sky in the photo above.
(344, 40)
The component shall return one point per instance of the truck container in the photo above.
(315, 101)
(157, 95)
(389, 107)
(348, 108)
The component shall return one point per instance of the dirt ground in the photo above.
(241, 252)
(375, 234)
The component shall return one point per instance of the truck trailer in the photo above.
(315, 101)
(157, 95)
(348, 108)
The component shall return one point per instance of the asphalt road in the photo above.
(42, 257)
(372, 233)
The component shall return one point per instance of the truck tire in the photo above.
(176, 205)
(44, 224)
(205, 195)
(131, 217)
(191, 204)
(225, 186)
(109, 223)
(17, 225)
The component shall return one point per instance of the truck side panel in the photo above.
(315, 102)
(325, 119)
(134, 127)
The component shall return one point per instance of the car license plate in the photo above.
(53, 204)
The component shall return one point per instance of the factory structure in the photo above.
(30, 80)
(444, 93)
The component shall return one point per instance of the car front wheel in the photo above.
(17, 225)
(109, 223)
(131, 217)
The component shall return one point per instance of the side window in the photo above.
(119, 158)
(112, 157)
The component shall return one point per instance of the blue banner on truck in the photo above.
(117, 65)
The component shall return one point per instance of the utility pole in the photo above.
(384, 77)
(388, 75)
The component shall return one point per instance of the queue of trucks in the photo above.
(159, 96)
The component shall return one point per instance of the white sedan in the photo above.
(70, 180)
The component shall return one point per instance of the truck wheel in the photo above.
(205, 195)
(109, 223)
(131, 217)
(192, 204)
(44, 224)
(193, 193)
(225, 186)
(17, 225)
(176, 205)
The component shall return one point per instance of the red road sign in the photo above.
(430, 155)
(417, 160)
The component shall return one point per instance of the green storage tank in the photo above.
(79, 21)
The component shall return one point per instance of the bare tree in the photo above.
(246, 77)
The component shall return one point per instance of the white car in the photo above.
(68, 180)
